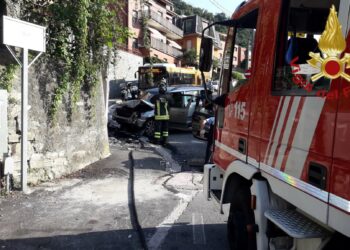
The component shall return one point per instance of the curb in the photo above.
(171, 165)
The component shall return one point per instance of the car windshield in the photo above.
(146, 96)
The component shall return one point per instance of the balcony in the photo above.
(165, 48)
(160, 23)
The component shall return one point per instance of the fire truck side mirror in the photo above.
(205, 56)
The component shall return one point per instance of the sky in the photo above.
(215, 6)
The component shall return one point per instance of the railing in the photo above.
(163, 47)
(165, 23)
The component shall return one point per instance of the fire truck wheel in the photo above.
(240, 223)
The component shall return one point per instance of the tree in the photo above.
(190, 58)
(220, 17)
(243, 37)
(182, 8)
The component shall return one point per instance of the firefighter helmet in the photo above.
(162, 88)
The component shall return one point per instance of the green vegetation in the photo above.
(182, 8)
(6, 76)
(244, 36)
(145, 32)
(81, 38)
(190, 58)
(238, 76)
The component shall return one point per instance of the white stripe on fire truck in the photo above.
(309, 117)
(295, 182)
(287, 131)
(253, 162)
(278, 130)
(231, 151)
(339, 202)
(273, 128)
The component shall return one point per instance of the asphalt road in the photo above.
(187, 150)
(200, 225)
(91, 209)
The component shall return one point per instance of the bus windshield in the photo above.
(150, 77)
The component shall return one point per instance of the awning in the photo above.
(156, 34)
(174, 44)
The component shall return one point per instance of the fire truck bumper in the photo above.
(213, 180)
(206, 180)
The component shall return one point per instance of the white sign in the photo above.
(2, 108)
(8, 166)
(23, 34)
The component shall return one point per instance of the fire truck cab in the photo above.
(281, 139)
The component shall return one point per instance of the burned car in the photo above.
(139, 113)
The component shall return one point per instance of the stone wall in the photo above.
(70, 144)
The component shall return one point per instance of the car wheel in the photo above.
(240, 232)
(149, 128)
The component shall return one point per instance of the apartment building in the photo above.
(239, 55)
(155, 34)
(192, 27)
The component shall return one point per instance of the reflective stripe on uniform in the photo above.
(158, 108)
(157, 135)
(161, 117)
(161, 110)
(165, 134)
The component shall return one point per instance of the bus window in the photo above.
(188, 79)
(151, 77)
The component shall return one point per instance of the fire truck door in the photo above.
(233, 121)
(298, 126)
(339, 198)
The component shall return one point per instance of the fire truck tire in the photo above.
(240, 223)
(339, 242)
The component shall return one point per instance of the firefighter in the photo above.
(161, 102)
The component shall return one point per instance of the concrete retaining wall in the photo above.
(124, 71)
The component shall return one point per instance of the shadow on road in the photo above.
(183, 237)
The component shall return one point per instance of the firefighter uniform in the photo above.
(161, 116)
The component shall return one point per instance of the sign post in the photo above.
(27, 36)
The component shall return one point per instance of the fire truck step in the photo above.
(216, 194)
(295, 224)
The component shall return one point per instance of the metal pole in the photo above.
(8, 183)
(24, 119)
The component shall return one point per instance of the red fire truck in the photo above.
(282, 135)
